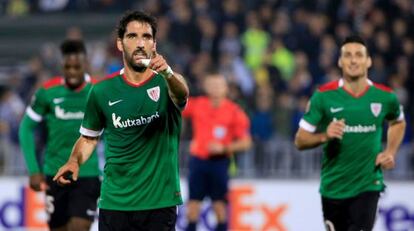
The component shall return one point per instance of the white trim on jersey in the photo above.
(341, 82)
(401, 117)
(307, 126)
(87, 78)
(89, 132)
(33, 115)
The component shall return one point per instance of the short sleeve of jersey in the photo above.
(38, 106)
(395, 112)
(92, 124)
(313, 114)
(241, 124)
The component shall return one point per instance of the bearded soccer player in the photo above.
(60, 102)
(347, 118)
(220, 128)
(139, 111)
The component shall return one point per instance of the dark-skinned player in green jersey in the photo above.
(61, 102)
(139, 111)
(347, 118)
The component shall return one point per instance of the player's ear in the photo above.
(119, 44)
(340, 62)
(154, 46)
(154, 49)
(369, 63)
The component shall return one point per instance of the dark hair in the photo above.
(355, 39)
(72, 46)
(139, 16)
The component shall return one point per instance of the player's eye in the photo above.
(147, 36)
(131, 36)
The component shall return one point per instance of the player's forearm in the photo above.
(239, 145)
(83, 149)
(178, 88)
(307, 140)
(395, 136)
(27, 144)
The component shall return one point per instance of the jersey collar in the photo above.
(122, 73)
(87, 79)
(341, 84)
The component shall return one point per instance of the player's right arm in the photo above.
(28, 147)
(81, 152)
(34, 114)
(306, 137)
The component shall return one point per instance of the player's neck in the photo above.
(356, 86)
(137, 77)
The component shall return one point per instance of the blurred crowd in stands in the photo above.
(273, 53)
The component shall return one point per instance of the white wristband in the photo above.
(167, 73)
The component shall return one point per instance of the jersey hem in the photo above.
(350, 195)
(141, 208)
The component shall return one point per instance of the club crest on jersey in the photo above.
(154, 93)
(376, 109)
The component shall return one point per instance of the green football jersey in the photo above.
(142, 128)
(63, 110)
(352, 169)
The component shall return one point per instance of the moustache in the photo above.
(139, 51)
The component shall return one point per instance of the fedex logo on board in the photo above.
(27, 210)
(240, 207)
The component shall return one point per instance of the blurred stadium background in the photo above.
(273, 52)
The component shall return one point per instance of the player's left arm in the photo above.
(177, 86)
(395, 135)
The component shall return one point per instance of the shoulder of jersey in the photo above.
(331, 86)
(54, 82)
(111, 76)
(382, 87)
(108, 77)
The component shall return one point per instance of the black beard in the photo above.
(137, 68)
(134, 66)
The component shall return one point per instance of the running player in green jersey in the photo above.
(139, 111)
(60, 102)
(347, 118)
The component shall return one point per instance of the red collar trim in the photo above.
(357, 95)
(134, 84)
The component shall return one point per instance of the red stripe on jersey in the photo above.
(382, 87)
(334, 85)
(137, 84)
(55, 81)
(94, 80)
(357, 95)
(112, 75)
